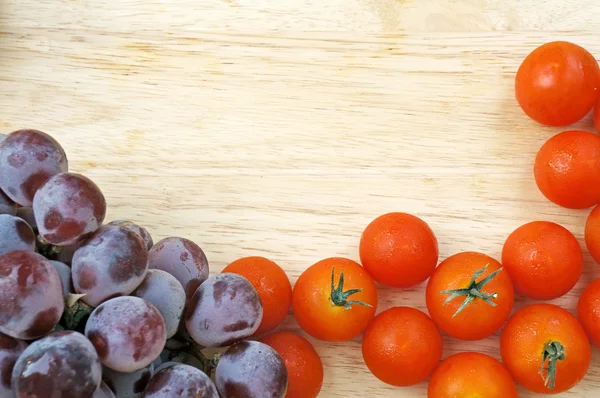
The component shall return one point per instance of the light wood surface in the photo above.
(283, 127)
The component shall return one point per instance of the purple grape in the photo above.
(128, 385)
(10, 350)
(28, 158)
(7, 206)
(112, 262)
(166, 293)
(181, 381)
(2, 137)
(68, 207)
(31, 295)
(65, 256)
(141, 231)
(225, 308)
(26, 213)
(60, 365)
(103, 391)
(181, 258)
(64, 272)
(15, 234)
(251, 369)
(128, 333)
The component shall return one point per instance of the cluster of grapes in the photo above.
(94, 309)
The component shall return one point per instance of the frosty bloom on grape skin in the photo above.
(7, 206)
(10, 350)
(181, 381)
(141, 231)
(103, 391)
(64, 272)
(15, 234)
(128, 385)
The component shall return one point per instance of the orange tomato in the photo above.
(469, 296)
(545, 349)
(543, 259)
(588, 311)
(303, 364)
(399, 250)
(567, 169)
(334, 299)
(273, 287)
(471, 374)
(558, 83)
(402, 346)
(592, 233)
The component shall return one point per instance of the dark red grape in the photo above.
(128, 385)
(15, 234)
(128, 333)
(166, 293)
(64, 272)
(225, 308)
(31, 295)
(181, 381)
(28, 158)
(112, 262)
(68, 207)
(103, 391)
(251, 369)
(7, 206)
(26, 213)
(141, 231)
(60, 365)
(10, 350)
(181, 258)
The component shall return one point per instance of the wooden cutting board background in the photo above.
(283, 127)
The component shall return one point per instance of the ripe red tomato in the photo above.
(399, 250)
(597, 116)
(273, 287)
(588, 311)
(334, 299)
(558, 83)
(469, 296)
(592, 233)
(567, 169)
(402, 346)
(303, 364)
(545, 349)
(543, 259)
(471, 374)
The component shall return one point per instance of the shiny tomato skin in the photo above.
(471, 374)
(525, 336)
(592, 233)
(402, 346)
(314, 310)
(558, 83)
(588, 311)
(479, 319)
(399, 250)
(543, 259)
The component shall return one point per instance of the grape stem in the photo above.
(75, 314)
(339, 297)
(473, 291)
(553, 352)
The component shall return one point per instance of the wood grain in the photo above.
(282, 128)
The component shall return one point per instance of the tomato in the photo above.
(334, 299)
(402, 346)
(567, 169)
(592, 233)
(399, 250)
(471, 374)
(303, 364)
(558, 83)
(545, 348)
(543, 259)
(588, 311)
(597, 116)
(273, 287)
(469, 296)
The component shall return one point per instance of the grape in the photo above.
(141, 231)
(112, 262)
(181, 381)
(66, 254)
(7, 206)
(128, 385)
(181, 258)
(2, 137)
(251, 369)
(166, 293)
(64, 272)
(67, 208)
(26, 213)
(31, 296)
(15, 234)
(10, 351)
(128, 333)
(28, 158)
(225, 308)
(103, 391)
(60, 365)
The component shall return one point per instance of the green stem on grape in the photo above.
(553, 352)
(339, 297)
(74, 315)
(46, 249)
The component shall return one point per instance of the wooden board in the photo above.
(282, 128)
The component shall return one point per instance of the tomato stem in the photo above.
(340, 297)
(553, 352)
(473, 291)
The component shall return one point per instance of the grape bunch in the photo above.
(95, 309)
